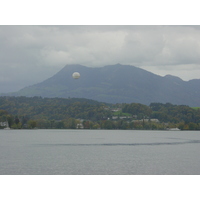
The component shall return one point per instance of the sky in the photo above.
(31, 53)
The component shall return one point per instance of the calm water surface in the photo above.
(93, 152)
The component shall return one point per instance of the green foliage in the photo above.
(196, 108)
(120, 113)
(137, 109)
(32, 124)
(59, 113)
(70, 123)
(54, 108)
(16, 126)
(3, 115)
(174, 113)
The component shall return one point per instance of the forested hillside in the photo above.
(31, 112)
(53, 108)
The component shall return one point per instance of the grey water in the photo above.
(99, 152)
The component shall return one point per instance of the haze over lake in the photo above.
(93, 152)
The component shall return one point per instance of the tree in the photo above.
(10, 120)
(86, 124)
(70, 123)
(32, 124)
(16, 120)
(137, 109)
(107, 124)
(17, 126)
(192, 126)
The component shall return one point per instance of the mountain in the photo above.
(116, 84)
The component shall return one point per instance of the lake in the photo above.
(99, 152)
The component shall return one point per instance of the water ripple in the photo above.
(126, 144)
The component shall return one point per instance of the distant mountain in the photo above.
(116, 84)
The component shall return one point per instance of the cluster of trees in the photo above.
(14, 121)
(32, 112)
(175, 113)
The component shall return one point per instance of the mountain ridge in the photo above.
(116, 84)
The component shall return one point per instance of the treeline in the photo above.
(32, 112)
(164, 112)
(169, 115)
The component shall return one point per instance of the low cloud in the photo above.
(30, 54)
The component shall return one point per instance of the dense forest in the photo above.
(38, 112)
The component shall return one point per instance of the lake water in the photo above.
(93, 152)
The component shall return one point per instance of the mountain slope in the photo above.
(117, 84)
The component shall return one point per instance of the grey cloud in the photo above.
(29, 54)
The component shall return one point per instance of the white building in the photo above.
(4, 124)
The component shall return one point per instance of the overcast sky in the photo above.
(31, 54)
